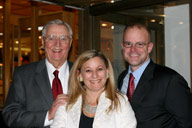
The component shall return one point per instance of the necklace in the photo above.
(88, 108)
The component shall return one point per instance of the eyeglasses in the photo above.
(137, 44)
(53, 39)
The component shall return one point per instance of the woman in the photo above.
(92, 99)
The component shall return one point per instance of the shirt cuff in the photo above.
(47, 121)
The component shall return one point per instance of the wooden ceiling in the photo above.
(23, 7)
(79, 4)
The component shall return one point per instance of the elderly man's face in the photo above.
(57, 44)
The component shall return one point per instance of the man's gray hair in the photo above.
(57, 22)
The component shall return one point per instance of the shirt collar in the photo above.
(138, 72)
(51, 68)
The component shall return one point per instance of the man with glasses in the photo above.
(39, 88)
(160, 97)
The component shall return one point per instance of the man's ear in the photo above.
(71, 40)
(121, 44)
(150, 47)
(43, 43)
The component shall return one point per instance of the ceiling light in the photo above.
(112, 1)
(180, 22)
(1, 45)
(1, 33)
(1, 7)
(112, 27)
(153, 20)
(103, 25)
(40, 28)
(17, 42)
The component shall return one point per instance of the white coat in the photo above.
(124, 117)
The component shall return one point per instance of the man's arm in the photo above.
(179, 101)
(15, 112)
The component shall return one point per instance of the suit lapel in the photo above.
(43, 82)
(101, 115)
(70, 65)
(144, 84)
(75, 112)
(120, 79)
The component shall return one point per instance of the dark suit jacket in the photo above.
(162, 98)
(30, 96)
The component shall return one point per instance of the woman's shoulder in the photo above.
(121, 96)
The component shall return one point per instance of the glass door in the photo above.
(170, 32)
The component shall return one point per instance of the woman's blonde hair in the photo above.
(76, 88)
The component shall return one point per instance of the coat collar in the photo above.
(144, 83)
(103, 104)
(43, 82)
(100, 115)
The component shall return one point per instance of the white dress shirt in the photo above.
(137, 75)
(63, 76)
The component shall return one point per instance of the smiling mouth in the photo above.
(133, 55)
(57, 50)
(95, 81)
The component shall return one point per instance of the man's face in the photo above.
(57, 44)
(136, 47)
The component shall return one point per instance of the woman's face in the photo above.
(94, 74)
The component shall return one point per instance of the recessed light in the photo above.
(112, 1)
(180, 22)
(40, 28)
(17, 42)
(153, 20)
(103, 24)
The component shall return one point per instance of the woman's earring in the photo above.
(107, 76)
(80, 79)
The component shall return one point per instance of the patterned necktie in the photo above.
(131, 87)
(56, 85)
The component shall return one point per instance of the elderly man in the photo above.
(39, 88)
